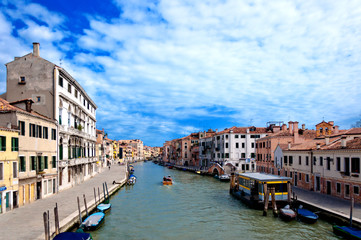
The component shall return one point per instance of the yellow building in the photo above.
(9, 173)
(115, 150)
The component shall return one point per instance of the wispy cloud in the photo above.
(162, 66)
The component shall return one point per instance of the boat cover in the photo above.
(131, 175)
(73, 236)
(103, 207)
(349, 231)
(306, 213)
(93, 220)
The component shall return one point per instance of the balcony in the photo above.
(74, 131)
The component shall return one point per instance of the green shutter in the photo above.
(46, 162)
(61, 152)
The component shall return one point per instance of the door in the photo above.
(38, 190)
(328, 186)
(15, 199)
(7, 201)
(296, 179)
(318, 183)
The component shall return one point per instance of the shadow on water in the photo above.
(194, 207)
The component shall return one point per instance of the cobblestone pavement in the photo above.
(27, 222)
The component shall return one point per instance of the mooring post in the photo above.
(95, 197)
(104, 191)
(49, 224)
(80, 221)
(274, 205)
(45, 216)
(86, 207)
(98, 195)
(289, 192)
(266, 199)
(56, 217)
(351, 208)
(106, 187)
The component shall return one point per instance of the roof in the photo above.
(244, 130)
(350, 144)
(264, 177)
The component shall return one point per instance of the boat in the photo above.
(93, 222)
(170, 167)
(198, 172)
(73, 236)
(167, 180)
(104, 207)
(347, 232)
(132, 179)
(224, 178)
(306, 215)
(287, 213)
(250, 188)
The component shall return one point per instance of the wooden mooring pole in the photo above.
(80, 221)
(46, 225)
(351, 209)
(106, 187)
(266, 199)
(56, 218)
(104, 191)
(86, 207)
(274, 205)
(99, 194)
(95, 197)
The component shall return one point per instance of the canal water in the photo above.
(194, 207)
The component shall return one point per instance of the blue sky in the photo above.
(159, 70)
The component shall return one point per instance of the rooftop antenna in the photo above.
(60, 60)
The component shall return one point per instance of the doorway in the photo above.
(328, 186)
(296, 179)
(38, 190)
(318, 183)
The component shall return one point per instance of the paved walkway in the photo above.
(330, 203)
(27, 222)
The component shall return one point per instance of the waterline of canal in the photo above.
(194, 207)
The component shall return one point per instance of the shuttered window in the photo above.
(22, 164)
(14, 144)
(2, 143)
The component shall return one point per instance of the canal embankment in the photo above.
(27, 222)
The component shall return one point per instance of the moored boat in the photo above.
(131, 180)
(93, 222)
(347, 232)
(104, 207)
(167, 180)
(224, 178)
(306, 215)
(287, 213)
(73, 236)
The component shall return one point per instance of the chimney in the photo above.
(318, 145)
(331, 122)
(36, 49)
(28, 105)
(343, 142)
(336, 130)
(290, 127)
(8, 125)
(303, 126)
(289, 145)
(284, 127)
(327, 140)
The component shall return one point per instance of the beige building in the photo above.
(37, 149)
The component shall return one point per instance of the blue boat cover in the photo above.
(131, 175)
(306, 213)
(351, 231)
(94, 219)
(72, 236)
(103, 207)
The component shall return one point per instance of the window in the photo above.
(53, 134)
(45, 133)
(226, 136)
(88, 105)
(1, 171)
(243, 155)
(236, 136)
(227, 143)
(285, 160)
(355, 165)
(15, 170)
(22, 128)
(338, 188)
(242, 145)
(291, 160)
(50, 187)
(22, 164)
(39, 131)
(60, 81)
(314, 160)
(338, 164)
(328, 159)
(22, 80)
(252, 145)
(299, 160)
(32, 163)
(84, 102)
(253, 155)
(307, 178)
(31, 130)
(321, 161)
(356, 190)
(14, 144)
(227, 155)
(46, 162)
(2, 143)
(237, 145)
(38, 99)
(306, 160)
(69, 88)
(53, 162)
(76, 93)
(243, 136)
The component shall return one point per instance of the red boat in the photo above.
(287, 213)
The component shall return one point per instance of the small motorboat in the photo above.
(73, 236)
(104, 207)
(93, 222)
(131, 180)
(167, 180)
(306, 215)
(224, 178)
(347, 232)
(170, 167)
(287, 213)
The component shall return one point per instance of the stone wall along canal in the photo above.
(194, 207)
